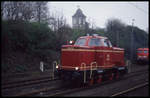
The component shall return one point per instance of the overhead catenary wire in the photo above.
(138, 7)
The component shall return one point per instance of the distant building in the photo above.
(79, 20)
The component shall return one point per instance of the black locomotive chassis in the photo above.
(142, 60)
(72, 75)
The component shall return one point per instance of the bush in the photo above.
(34, 39)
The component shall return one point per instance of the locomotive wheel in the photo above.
(78, 83)
(99, 80)
(117, 75)
(111, 76)
(91, 82)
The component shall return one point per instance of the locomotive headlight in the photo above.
(76, 68)
(139, 56)
(57, 67)
(71, 42)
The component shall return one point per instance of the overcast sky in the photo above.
(100, 12)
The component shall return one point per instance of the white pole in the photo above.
(132, 42)
(54, 69)
(41, 66)
(128, 63)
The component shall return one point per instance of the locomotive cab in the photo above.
(142, 55)
(90, 57)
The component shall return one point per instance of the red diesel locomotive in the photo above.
(91, 59)
(142, 55)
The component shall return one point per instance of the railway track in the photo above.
(11, 79)
(29, 88)
(27, 82)
(50, 89)
(33, 81)
(56, 91)
(6, 83)
(67, 91)
(130, 89)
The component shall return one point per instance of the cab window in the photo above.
(80, 42)
(107, 43)
(145, 51)
(139, 51)
(95, 42)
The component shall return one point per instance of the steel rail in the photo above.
(72, 90)
(130, 89)
(90, 87)
(46, 89)
(27, 82)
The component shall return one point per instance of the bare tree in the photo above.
(62, 30)
(56, 21)
(114, 27)
(41, 11)
(25, 11)
(16, 10)
(8, 10)
(92, 23)
(2, 8)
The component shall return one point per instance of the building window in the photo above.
(79, 20)
(74, 21)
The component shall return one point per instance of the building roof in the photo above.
(143, 49)
(94, 36)
(79, 13)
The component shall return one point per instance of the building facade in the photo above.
(79, 20)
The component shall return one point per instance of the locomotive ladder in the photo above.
(83, 65)
(91, 70)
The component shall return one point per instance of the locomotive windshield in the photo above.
(145, 51)
(139, 51)
(95, 42)
(107, 43)
(80, 42)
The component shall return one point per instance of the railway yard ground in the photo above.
(135, 83)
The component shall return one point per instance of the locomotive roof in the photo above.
(93, 37)
(143, 49)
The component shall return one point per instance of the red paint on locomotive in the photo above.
(143, 54)
(91, 58)
(73, 56)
